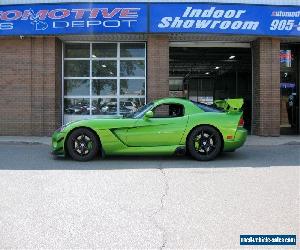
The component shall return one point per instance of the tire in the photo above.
(82, 145)
(204, 143)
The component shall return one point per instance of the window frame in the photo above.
(65, 117)
(183, 110)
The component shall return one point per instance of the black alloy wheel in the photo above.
(82, 145)
(204, 143)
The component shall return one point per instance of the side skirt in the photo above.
(158, 150)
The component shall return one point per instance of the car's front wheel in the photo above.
(204, 143)
(82, 145)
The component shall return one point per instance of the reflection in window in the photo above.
(77, 68)
(79, 106)
(286, 58)
(77, 87)
(104, 50)
(132, 50)
(132, 87)
(129, 105)
(77, 50)
(104, 68)
(98, 82)
(289, 103)
(104, 87)
(104, 106)
(132, 68)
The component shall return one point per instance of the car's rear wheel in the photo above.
(204, 143)
(82, 145)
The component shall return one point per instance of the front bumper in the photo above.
(238, 141)
(58, 141)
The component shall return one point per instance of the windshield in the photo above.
(140, 112)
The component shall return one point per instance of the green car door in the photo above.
(165, 128)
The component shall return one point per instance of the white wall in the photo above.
(269, 2)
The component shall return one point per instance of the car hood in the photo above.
(102, 123)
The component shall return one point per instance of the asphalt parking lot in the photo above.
(153, 202)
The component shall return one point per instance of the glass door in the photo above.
(289, 101)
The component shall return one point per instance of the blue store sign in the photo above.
(93, 18)
(72, 19)
(225, 19)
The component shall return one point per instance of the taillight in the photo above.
(241, 122)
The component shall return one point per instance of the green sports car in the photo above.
(165, 126)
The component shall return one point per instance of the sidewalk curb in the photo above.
(254, 140)
(26, 140)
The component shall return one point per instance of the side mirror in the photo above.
(148, 115)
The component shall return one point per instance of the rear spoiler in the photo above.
(230, 105)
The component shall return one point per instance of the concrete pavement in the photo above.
(146, 203)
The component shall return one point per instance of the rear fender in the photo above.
(225, 123)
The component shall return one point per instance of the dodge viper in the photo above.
(165, 126)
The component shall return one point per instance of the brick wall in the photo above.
(157, 67)
(266, 87)
(30, 85)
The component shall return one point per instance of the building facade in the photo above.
(63, 60)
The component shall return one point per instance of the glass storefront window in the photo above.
(104, 87)
(78, 106)
(132, 50)
(77, 87)
(286, 58)
(132, 87)
(105, 68)
(103, 79)
(104, 50)
(132, 68)
(77, 68)
(128, 105)
(104, 106)
(289, 104)
(77, 51)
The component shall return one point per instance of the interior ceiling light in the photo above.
(207, 73)
(103, 66)
(217, 67)
(231, 57)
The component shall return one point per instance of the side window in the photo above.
(168, 111)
